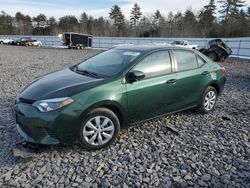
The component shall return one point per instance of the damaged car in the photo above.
(218, 50)
(90, 102)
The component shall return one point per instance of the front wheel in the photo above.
(208, 100)
(99, 129)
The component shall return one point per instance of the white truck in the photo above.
(184, 43)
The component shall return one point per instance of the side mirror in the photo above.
(134, 76)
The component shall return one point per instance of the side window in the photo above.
(186, 60)
(155, 64)
(200, 61)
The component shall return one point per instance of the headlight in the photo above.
(52, 104)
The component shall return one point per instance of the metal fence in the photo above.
(240, 46)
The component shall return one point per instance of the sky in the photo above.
(97, 8)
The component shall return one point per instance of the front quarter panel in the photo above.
(112, 93)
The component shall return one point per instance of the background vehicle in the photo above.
(91, 101)
(183, 43)
(21, 41)
(76, 40)
(5, 40)
(33, 43)
(217, 51)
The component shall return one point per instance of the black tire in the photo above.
(202, 108)
(1, 42)
(103, 112)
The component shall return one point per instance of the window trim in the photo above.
(197, 56)
(145, 56)
(176, 64)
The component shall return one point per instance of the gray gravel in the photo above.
(210, 150)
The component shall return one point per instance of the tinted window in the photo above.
(155, 64)
(200, 61)
(185, 60)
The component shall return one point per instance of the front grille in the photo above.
(27, 101)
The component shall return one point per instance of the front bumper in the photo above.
(54, 127)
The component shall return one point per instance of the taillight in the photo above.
(223, 70)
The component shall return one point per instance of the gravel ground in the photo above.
(209, 150)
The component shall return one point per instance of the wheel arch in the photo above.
(111, 105)
(215, 85)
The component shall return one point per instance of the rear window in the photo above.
(186, 60)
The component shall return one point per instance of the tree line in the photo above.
(226, 18)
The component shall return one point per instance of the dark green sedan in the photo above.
(88, 103)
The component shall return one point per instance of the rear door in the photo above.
(189, 78)
(155, 94)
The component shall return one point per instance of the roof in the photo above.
(145, 48)
(77, 33)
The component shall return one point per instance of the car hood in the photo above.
(64, 83)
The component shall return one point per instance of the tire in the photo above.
(1, 42)
(78, 47)
(96, 133)
(208, 100)
(82, 47)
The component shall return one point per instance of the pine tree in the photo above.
(135, 15)
(23, 24)
(6, 26)
(52, 26)
(207, 18)
(156, 24)
(68, 24)
(83, 22)
(230, 8)
(118, 18)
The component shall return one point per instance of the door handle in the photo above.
(172, 81)
(205, 73)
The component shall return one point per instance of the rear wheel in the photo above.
(208, 100)
(100, 129)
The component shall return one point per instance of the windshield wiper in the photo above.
(83, 72)
(87, 73)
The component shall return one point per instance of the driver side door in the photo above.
(154, 95)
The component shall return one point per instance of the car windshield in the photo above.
(108, 63)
